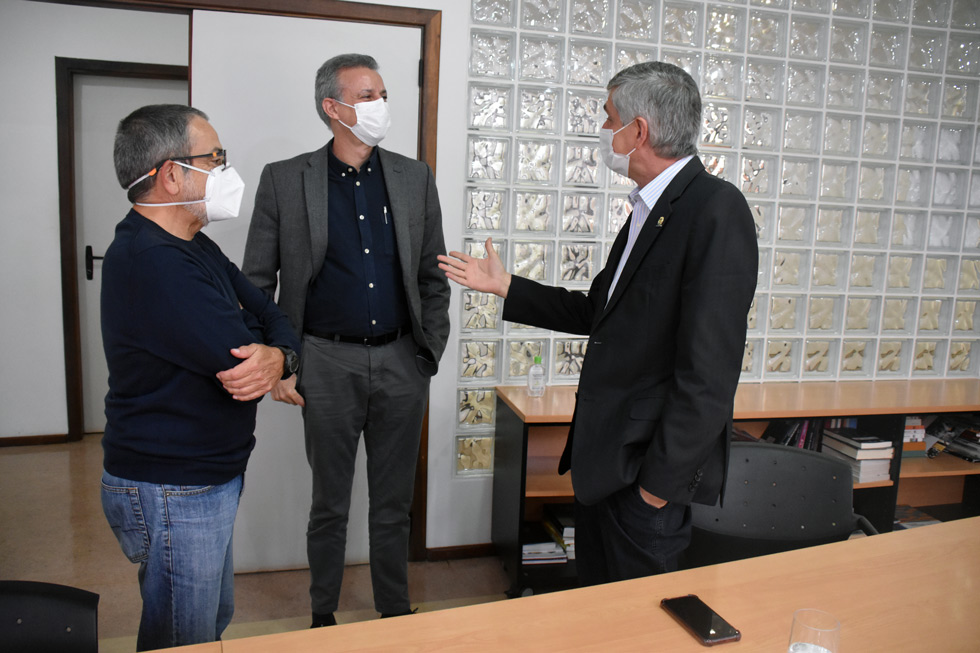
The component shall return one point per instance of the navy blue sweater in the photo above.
(171, 312)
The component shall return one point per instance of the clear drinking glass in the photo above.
(814, 631)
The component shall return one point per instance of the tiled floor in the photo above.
(52, 529)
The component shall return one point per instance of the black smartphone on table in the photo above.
(705, 624)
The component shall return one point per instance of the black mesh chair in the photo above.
(41, 617)
(778, 498)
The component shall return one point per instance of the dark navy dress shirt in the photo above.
(359, 290)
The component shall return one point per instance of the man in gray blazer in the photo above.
(353, 232)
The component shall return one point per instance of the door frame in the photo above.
(429, 21)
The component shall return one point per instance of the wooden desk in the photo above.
(914, 590)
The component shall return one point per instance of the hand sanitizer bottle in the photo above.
(535, 379)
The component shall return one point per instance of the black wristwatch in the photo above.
(290, 362)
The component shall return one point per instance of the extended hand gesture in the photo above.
(483, 274)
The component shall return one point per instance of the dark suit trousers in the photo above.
(624, 537)
(348, 389)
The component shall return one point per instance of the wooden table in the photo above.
(914, 590)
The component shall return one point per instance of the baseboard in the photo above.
(459, 552)
(27, 440)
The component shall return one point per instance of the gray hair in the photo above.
(146, 138)
(327, 85)
(669, 100)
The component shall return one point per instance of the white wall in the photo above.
(32, 381)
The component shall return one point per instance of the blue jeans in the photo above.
(181, 537)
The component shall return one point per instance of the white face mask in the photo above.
(222, 194)
(614, 160)
(372, 123)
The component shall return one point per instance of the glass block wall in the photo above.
(850, 125)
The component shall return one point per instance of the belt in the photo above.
(369, 341)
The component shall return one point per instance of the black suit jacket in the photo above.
(657, 387)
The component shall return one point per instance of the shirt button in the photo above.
(370, 285)
(367, 251)
(357, 183)
(360, 217)
(373, 322)
(343, 174)
(369, 169)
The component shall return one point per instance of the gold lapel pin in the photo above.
(660, 222)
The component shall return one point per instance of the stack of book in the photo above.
(560, 524)
(914, 444)
(869, 457)
(543, 553)
(799, 433)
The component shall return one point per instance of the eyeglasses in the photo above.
(218, 157)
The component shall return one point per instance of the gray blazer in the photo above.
(288, 236)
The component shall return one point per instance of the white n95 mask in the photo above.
(372, 123)
(222, 194)
(614, 160)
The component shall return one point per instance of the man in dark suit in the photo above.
(666, 322)
(353, 231)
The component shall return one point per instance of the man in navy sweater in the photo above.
(191, 346)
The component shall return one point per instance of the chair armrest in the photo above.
(865, 525)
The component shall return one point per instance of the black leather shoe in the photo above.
(386, 615)
(321, 620)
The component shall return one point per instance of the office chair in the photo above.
(777, 498)
(42, 617)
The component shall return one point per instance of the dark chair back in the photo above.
(777, 498)
(41, 617)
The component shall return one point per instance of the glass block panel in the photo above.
(955, 144)
(618, 181)
(892, 10)
(837, 180)
(889, 46)
(790, 271)
(880, 138)
(537, 161)
(491, 54)
(795, 224)
(491, 107)
(861, 314)
(487, 158)
(937, 277)
(758, 175)
(581, 214)
(904, 273)
(682, 24)
(772, 4)
(960, 99)
(922, 96)
(480, 311)
(871, 228)
(912, 186)
(719, 124)
(762, 215)
(857, 357)
(945, 232)
(535, 211)
(539, 109)
(629, 56)
(893, 357)
(974, 198)
(578, 262)
(960, 360)
(588, 63)
(931, 13)
(545, 15)
(581, 163)
(520, 356)
(752, 360)
(853, 8)
(542, 58)
(619, 211)
(875, 182)
(842, 134)
(591, 17)
(804, 85)
(474, 454)
(949, 188)
(782, 358)
(721, 165)
(820, 358)
(761, 128)
(927, 357)
(785, 313)
(927, 50)
(845, 88)
(909, 230)
(884, 92)
(965, 14)
(637, 20)
(689, 62)
(834, 225)
(756, 318)
(808, 38)
(722, 77)
(963, 57)
(798, 178)
(767, 33)
(934, 316)
(584, 115)
(478, 360)
(533, 259)
(476, 406)
(918, 142)
(569, 356)
(801, 132)
(762, 279)
(867, 272)
(496, 12)
(829, 271)
(825, 314)
(969, 277)
(764, 81)
(485, 208)
(724, 29)
(849, 42)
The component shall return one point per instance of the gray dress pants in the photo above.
(350, 389)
